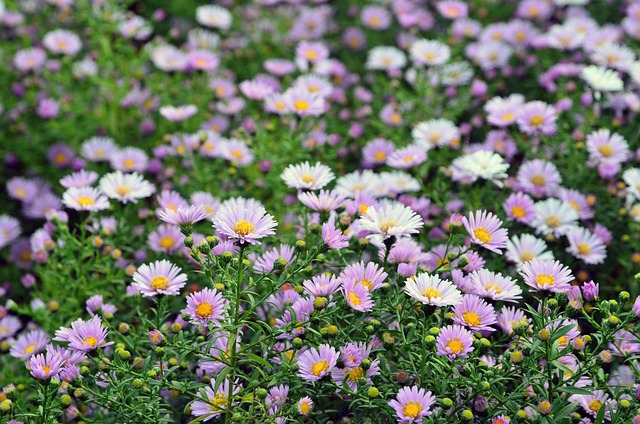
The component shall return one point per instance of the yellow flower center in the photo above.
(20, 192)
(518, 212)
(355, 374)
(305, 408)
(29, 349)
(167, 242)
(60, 158)
(46, 369)
(354, 299)
(301, 105)
(493, 286)
(319, 368)
(536, 120)
(584, 248)
(311, 54)
(575, 205)
(204, 310)
(308, 178)
(526, 256)
(374, 21)
(538, 180)
(431, 293)
(553, 221)
(605, 150)
(380, 155)
(395, 118)
(412, 409)
(237, 154)
(123, 190)
(434, 137)
(159, 282)
(367, 283)
(472, 318)
(455, 346)
(545, 280)
(85, 201)
(218, 402)
(91, 341)
(483, 235)
(508, 116)
(386, 225)
(129, 163)
(595, 405)
(243, 228)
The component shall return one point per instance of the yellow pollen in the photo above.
(243, 228)
(595, 405)
(455, 346)
(584, 248)
(434, 137)
(563, 341)
(308, 178)
(29, 349)
(363, 209)
(218, 402)
(305, 408)
(429, 55)
(605, 150)
(301, 105)
(380, 155)
(85, 201)
(518, 212)
(431, 293)
(60, 158)
(412, 409)
(237, 154)
(204, 310)
(508, 117)
(395, 118)
(61, 44)
(367, 283)
(123, 190)
(553, 221)
(575, 205)
(482, 234)
(520, 36)
(220, 91)
(472, 318)
(320, 368)
(355, 374)
(374, 21)
(526, 256)
(493, 286)
(46, 369)
(386, 225)
(354, 299)
(129, 163)
(545, 280)
(20, 192)
(91, 341)
(311, 54)
(536, 120)
(538, 180)
(167, 242)
(201, 63)
(159, 282)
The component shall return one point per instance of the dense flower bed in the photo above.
(311, 211)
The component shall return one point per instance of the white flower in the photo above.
(385, 58)
(481, 164)
(431, 290)
(126, 187)
(213, 16)
(601, 79)
(526, 247)
(306, 176)
(429, 52)
(434, 133)
(555, 217)
(632, 178)
(390, 219)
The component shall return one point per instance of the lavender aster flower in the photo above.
(159, 277)
(314, 364)
(412, 404)
(454, 341)
(247, 225)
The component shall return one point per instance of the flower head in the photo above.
(206, 306)
(315, 363)
(484, 229)
(454, 341)
(84, 336)
(159, 277)
(412, 404)
(546, 275)
(243, 221)
(431, 290)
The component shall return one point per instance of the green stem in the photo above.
(231, 344)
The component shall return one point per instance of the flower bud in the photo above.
(373, 392)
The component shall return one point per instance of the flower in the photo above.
(9, 230)
(45, 366)
(307, 177)
(213, 16)
(481, 164)
(305, 405)
(495, 286)
(484, 229)
(537, 118)
(586, 246)
(390, 219)
(206, 306)
(454, 341)
(29, 344)
(183, 215)
(435, 133)
(431, 290)
(429, 52)
(546, 275)
(98, 149)
(166, 238)
(591, 291)
(371, 275)
(601, 79)
(178, 113)
(84, 336)
(474, 313)
(246, 224)
(159, 277)
(85, 199)
(126, 187)
(519, 207)
(412, 404)
(385, 58)
(538, 177)
(322, 285)
(606, 147)
(555, 217)
(357, 295)
(314, 364)
(333, 237)
(63, 42)
(302, 102)
(526, 247)
(215, 402)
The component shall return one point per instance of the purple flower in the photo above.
(236, 220)
(206, 306)
(314, 364)
(45, 366)
(546, 275)
(484, 229)
(333, 237)
(29, 344)
(159, 277)
(412, 404)
(183, 215)
(454, 341)
(84, 336)
(474, 313)
(216, 402)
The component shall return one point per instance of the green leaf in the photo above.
(574, 390)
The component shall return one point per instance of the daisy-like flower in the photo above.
(236, 151)
(216, 401)
(371, 276)
(85, 199)
(412, 404)
(605, 146)
(246, 224)
(586, 246)
(9, 230)
(602, 79)
(126, 187)
(435, 133)
(305, 405)
(178, 113)
(390, 219)
(475, 313)
(45, 366)
(322, 285)
(546, 275)
(454, 341)
(206, 306)
(495, 286)
(29, 344)
(333, 237)
(501, 112)
(519, 207)
(302, 102)
(183, 215)
(159, 277)
(166, 238)
(129, 159)
(407, 157)
(314, 364)
(537, 118)
(213, 16)
(357, 296)
(481, 164)
(431, 290)
(555, 217)
(385, 58)
(283, 255)
(429, 52)
(63, 42)
(538, 177)
(305, 176)
(632, 178)
(484, 229)
(595, 402)
(452, 9)
(79, 179)
(98, 149)
(30, 59)
(324, 201)
(84, 336)
(9, 325)
(508, 318)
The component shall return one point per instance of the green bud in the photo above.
(152, 373)
(613, 303)
(301, 246)
(297, 343)
(467, 415)
(123, 328)
(430, 339)
(66, 400)
(204, 247)
(553, 303)
(214, 241)
(624, 296)
(320, 302)
(613, 320)
(5, 405)
(447, 403)
(188, 242)
(373, 392)
(463, 261)
(434, 330)
(366, 364)
(485, 385)
(261, 393)
(544, 334)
